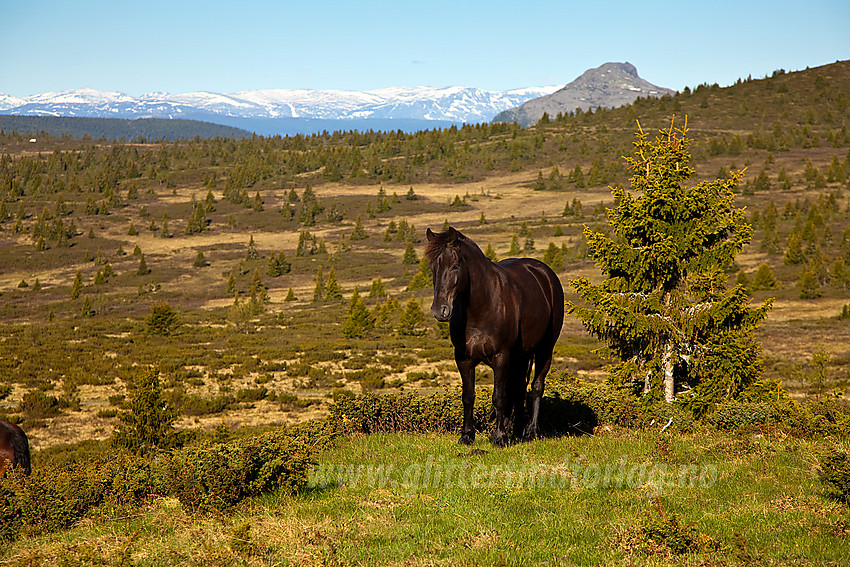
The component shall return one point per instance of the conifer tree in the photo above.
(278, 265)
(163, 320)
(143, 266)
(319, 291)
(333, 292)
(412, 320)
(553, 257)
(664, 308)
(252, 253)
(540, 184)
(87, 310)
(77, 286)
(149, 422)
(358, 233)
(377, 290)
(358, 320)
(839, 276)
(577, 177)
(422, 278)
(794, 251)
(809, 285)
(409, 254)
(385, 312)
(764, 278)
(514, 250)
(743, 280)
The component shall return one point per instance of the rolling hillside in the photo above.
(117, 128)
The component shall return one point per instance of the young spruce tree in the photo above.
(664, 307)
(148, 423)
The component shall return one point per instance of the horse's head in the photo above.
(451, 276)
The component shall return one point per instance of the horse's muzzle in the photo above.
(441, 313)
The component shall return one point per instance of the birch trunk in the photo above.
(667, 369)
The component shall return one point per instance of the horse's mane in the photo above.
(440, 240)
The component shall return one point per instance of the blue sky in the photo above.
(182, 46)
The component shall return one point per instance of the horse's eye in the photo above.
(455, 267)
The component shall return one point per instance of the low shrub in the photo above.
(195, 405)
(251, 394)
(566, 408)
(835, 472)
(60, 493)
(595, 404)
(217, 477)
(74, 484)
(38, 405)
(828, 417)
(406, 411)
(665, 532)
(290, 401)
(732, 415)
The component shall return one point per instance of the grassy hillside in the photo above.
(633, 498)
(230, 264)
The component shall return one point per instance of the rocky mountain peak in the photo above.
(607, 86)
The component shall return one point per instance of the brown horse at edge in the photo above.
(14, 448)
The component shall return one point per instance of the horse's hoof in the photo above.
(466, 439)
(499, 440)
(530, 433)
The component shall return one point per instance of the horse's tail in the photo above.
(21, 447)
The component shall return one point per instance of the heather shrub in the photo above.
(68, 486)
(407, 411)
(732, 415)
(215, 478)
(60, 492)
(834, 470)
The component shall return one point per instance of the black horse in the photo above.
(14, 448)
(507, 315)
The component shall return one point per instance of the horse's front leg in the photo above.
(466, 367)
(501, 383)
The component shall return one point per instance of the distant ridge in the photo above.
(118, 128)
(609, 86)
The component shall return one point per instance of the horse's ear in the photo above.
(429, 234)
(454, 235)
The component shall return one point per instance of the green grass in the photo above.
(422, 499)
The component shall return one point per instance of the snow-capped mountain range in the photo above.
(448, 104)
(289, 111)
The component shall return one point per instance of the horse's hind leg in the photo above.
(520, 374)
(502, 390)
(542, 362)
